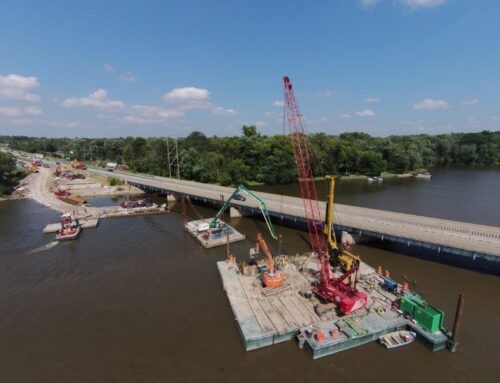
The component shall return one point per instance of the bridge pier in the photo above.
(455, 243)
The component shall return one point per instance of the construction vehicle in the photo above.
(341, 257)
(237, 196)
(270, 277)
(330, 288)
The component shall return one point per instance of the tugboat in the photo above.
(69, 229)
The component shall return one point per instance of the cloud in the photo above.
(431, 104)
(223, 112)
(18, 94)
(108, 68)
(366, 4)
(345, 115)
(17, 87)
(97, 99)
(51, 124)
(14, 111)
(127, 76)
(279, 103)
(372, 100)
(471, 102)
(187, 94)
(149, 114)
(365, 113)
(422, 3)
(18, 81)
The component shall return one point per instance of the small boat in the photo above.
(424, 176)
(70, 229)
(397, 338)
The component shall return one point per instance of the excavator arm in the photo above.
(260, 202)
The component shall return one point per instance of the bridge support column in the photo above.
(234, 213)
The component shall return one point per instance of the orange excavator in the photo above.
(271, 278)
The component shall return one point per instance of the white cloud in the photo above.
(108, 68)
(422, 3)
(223, 112)
(372, 100)
(18, 94)
(17, 87)
(368, 3)
(51, 124)
(365, 113)
(10, 111)
(471, 102)
(18, 81)
(98, 99)
(431, 104)
(35, 110)
(187, 94)
(14, 111)
(149, 114)
(127, 76)
(345, 115)
(279, 103)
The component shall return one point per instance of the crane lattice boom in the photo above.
(305, 176)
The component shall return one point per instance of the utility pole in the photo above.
(168, 159)
(177, 158)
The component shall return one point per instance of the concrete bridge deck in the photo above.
(478, 240)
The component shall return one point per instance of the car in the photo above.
(239, 197)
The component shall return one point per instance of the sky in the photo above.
(168, 68)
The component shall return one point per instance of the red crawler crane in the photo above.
(331, 289)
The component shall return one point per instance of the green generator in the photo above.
(426, 316)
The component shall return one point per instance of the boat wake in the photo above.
(48, 246)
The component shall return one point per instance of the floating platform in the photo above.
(266, 317)
(85, 223)
(117, 212)
(207, 238)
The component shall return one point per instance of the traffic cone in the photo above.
(335, 333)
(405, 288)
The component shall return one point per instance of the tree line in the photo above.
(9, 173)
(253, 157)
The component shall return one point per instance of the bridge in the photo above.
(470, 245)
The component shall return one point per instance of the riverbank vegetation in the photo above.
(253, 157)
(9, 173)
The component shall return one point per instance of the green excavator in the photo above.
(237, 196)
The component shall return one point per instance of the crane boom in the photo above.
(335, 290)
(305, 177)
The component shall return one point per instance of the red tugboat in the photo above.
(69, 229)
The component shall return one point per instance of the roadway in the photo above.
(446, 233)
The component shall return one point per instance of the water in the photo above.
(138, 300)
(110, 200)
(466, 195)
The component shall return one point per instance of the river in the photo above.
(138, 300)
